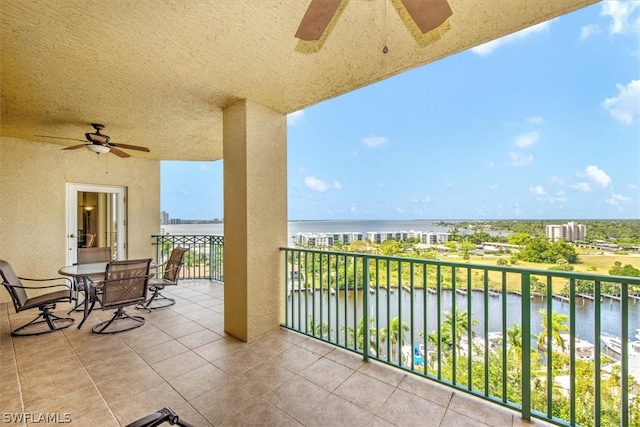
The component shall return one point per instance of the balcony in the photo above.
(415, 361)
(181, 358)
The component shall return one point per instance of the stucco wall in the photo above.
(33, 178)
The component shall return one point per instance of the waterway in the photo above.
(610, 315)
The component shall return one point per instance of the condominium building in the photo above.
(570, 232)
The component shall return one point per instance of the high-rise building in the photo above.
(570, 232)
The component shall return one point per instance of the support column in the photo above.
(255, 218)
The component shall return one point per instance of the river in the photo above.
(611, 316)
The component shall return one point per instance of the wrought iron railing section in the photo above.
(554, 345)
(205, 257)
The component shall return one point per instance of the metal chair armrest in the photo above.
(69, 285)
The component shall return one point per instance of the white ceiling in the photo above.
(158, 73)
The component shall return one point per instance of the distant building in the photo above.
(164, 217)
(570, 232)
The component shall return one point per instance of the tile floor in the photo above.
(182, 358)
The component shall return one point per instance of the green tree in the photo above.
(521, 239)
(628, 270)
(396, 333)
(555, 328)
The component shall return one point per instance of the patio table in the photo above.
(82, 273)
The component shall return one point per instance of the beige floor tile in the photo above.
(382, 372)
(178, 364)
(261, 414)
(479, 410)
(219, 348)
(411, 409)
(221, 404)
(334, 411)
(455, 419)
(326, 373)
(427, 389)
(346, 358)
(295, 395)
(239, 362)
(199, 381)
(182, 329)
(130, 407)
(296, 359)
(162, 351)
(365, 392)
(101, 417)
(200, 338)
(129, 383)
(265, 377)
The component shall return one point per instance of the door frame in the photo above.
(71, 239)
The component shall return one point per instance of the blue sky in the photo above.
(541, 124)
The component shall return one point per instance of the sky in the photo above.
(540, 124)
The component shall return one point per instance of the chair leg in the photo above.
(121, 314)
(157, 300)
(53, 322)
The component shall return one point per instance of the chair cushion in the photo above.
(39, 300)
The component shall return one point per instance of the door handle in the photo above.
(72, 235)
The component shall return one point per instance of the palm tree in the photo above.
(557, 326)
(396, 334)
(359, 335)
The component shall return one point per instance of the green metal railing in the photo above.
(204, 259)
(480, 329)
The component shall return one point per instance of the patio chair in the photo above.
(170, 275)
(161, 416)
(89, 256)
(45, 302)
(125, 283)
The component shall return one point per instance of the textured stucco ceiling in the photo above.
(159, 73)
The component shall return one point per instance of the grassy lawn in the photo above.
(594, 264)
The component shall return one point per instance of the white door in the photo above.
(95, 218)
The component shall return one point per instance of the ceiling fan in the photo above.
(100, 143)
(427, 15)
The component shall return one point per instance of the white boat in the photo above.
(614, 346)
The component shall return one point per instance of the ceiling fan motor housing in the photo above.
(97, 137)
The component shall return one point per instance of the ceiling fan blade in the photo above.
(75, 147)
(119, 153)
(129, 147)
(316, 19)
(428, 14)
(59, 137)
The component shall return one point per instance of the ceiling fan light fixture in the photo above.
(97, 137)
(98, 149)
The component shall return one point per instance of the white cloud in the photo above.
(294, 118)
(315, 184)
(494, 187)
(535, 120)
(632, 186)
(204, 168)
(583, 187)
(425, 199)
(595, 175)
(538, 190)
(625, 107)
(520, 159)
(491, 164)
(353, 208)
(588, 31)
(556, 180)
(488, 48)
(527, 140)
(184, 192)
(337, 185)
(622, 16)
(618, 199)
(374, 141)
